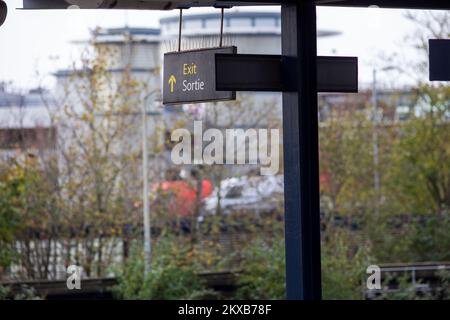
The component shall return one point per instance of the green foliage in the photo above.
(344, 262)
(263, 270)
(443, 290)
(391, 241)
(347, 162)
(410, 219)
(402, 291)
(431, 240)
(12, 185)
(173, 274)
(419, 175)
(25, 293)
(405, 290)
(416, 184)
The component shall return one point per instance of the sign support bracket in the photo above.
(261, 72)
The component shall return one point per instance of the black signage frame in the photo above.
(439, 57)
(205, 72)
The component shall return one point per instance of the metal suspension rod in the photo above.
(179, 30)
(221, 27)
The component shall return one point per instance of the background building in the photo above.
(25, 122)
(140, 52)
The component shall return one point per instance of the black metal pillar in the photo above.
(301, 153)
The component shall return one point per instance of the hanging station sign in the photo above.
(190, 76)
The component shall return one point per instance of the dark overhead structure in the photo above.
(300, 116)
(393, 4)
(168, 5)
(3, 12)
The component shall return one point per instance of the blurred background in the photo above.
(77, 87)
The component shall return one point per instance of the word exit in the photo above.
(189, 69)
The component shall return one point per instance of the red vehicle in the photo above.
(180, 195)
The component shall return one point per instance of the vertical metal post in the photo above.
(301, 152)
(376, 174)
(145, 194)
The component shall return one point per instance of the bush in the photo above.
(173, 274)
(12, 184)
(343, 267)
(263, 270)
(344, 262)
(25, 293)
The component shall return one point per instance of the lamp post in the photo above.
(145, 190)
(375, 143)
(145, 194)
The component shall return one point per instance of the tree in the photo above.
(78, 200)
(11, 201)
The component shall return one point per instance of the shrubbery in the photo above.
(262, 270)
(173, 273)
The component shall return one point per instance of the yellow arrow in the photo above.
(172, 81)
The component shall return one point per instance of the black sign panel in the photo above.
(253, 72)
(249, 72)
(337, 74)
(190, 76)
(439, 59)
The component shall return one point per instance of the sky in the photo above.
(34, 44)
